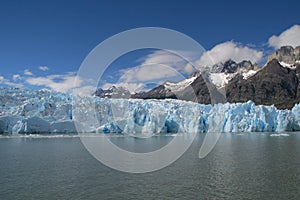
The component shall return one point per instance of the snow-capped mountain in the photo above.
(195, 85)
(191, 89)
(277, 82)
(113, 92)
(222, 73)
(181, 85)
(287, 56)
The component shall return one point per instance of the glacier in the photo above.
(27, 112)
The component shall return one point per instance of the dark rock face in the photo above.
(297, 53)
(197, 92)
(200, 90)
(298, 76)
(229, 67)
(273, 84)
(245, 66)
(286, 54)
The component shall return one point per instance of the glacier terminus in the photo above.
(43, 112)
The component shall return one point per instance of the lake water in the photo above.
(250, 166)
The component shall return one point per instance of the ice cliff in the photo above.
(25, 112)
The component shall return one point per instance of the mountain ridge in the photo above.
(275, 83)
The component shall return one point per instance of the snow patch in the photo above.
(248, 74)
(291, 66)
(175, 87)
(221, 79)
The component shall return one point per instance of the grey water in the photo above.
(241, 166)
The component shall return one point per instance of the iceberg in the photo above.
(26, 112)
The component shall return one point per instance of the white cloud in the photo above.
(290, 37)
(9, 83)
(43, 68)
(229, 50)
(156, 66)
(172, 60)
(162, 57)
(58, 82)
(16, 77)
(27, 72)
(146, 73)
(16, 85)
(64, 83)
(84, 90)
(189, 68)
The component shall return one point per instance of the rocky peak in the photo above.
(273, 84)
(246, 66)
(231, 67)
(113, 92)
(286, 54)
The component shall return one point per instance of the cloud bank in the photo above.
(146, 73)
(156, 67)
(229, 50)
(9, 83)
(63, 83)
(290, 37)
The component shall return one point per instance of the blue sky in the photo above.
(50, 39)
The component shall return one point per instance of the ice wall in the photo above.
(24, 112)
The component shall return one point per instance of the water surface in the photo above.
(251, 166)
